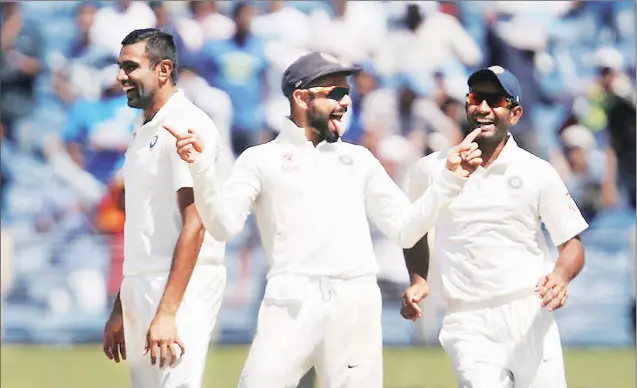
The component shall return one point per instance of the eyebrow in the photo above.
(128, 63)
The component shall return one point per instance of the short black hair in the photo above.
(159, 46)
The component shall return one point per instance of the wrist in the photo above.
(166, 312)
(417, 279)
(562, 274)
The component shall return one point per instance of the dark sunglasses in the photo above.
(495, 100)
(335, 93)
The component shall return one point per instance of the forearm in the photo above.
(421, 215)
(571, 259)
(184, 261)
(417, 260)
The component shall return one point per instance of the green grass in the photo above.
(81, 367)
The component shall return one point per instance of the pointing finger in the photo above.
(466, 143)
(172, 132)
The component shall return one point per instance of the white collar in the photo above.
(296, 135)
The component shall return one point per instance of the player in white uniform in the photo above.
(312, 194)
(499, 329)
(174, 276)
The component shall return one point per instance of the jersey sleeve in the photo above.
(181, 176)
(558, 210)
(400, 220)
(419, 180)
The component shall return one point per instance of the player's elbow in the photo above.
(407, 240)
(223, 231)
(408, 243)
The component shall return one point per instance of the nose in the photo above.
(345, 101)
(121, 76)
(484, 107)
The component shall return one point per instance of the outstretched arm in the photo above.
(223, 211)
(404, 222)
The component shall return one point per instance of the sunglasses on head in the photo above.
(495, 100)
(335, 93)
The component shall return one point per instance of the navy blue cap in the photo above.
(310, 67)
(507, 81)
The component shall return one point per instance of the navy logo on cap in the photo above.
(496, 69)
(153, 141)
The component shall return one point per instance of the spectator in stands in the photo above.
(22, 49)
(430, 41)
(365, 82)
(203, 24)
(166, 23)
(83, 49)
(619, 107)
(238, 67)
(358, 27)
(109, 221)
(584, 171)
(408, 110)
(286, 35)
(72, 76)
(115, 20)
(97, 133)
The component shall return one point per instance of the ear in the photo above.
(300, 98)
(164, 69)
(515, 115)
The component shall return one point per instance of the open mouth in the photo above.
(485, 125)
(335, 119)
(130, 90)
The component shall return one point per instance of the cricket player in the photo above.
(499, 329)
(312, 194)
(174, 276)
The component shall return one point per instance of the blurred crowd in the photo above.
(65, 124)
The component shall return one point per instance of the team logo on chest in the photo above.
(346, 160)
(515, 182)
(289, 162)
(153, 141)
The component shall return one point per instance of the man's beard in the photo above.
(321, 127)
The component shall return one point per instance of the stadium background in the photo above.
(65, 127)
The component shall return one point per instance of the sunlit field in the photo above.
(86, 366)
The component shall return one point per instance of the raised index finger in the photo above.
(172, 132)
(466, 142)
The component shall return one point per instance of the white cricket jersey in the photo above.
(312, 203)
(488, 240)
(153, 173)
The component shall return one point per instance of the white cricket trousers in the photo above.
(196, 317)
(335, 327)
(504, 343)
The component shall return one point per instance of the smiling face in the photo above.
(138, 77)
(325, 103)
(490, 109)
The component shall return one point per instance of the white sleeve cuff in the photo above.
(449, 184)
(204, 162)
